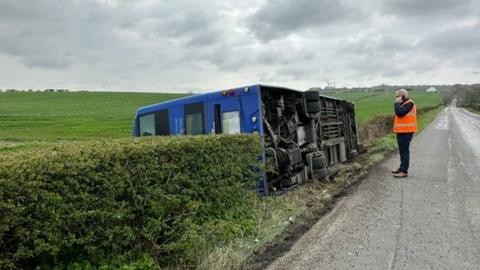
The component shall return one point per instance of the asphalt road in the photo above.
(430, 220)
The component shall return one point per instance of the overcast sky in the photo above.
(205, 45)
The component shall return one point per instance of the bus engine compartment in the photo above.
(305, 133)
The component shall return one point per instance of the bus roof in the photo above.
(253, 89)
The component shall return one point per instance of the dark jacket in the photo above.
(403, 110)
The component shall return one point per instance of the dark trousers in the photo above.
(403, 140)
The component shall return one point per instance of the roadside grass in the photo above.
(474, 108)
(428, 117)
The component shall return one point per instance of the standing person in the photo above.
(404, 125)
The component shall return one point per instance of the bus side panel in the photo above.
(135, 131)
(253, 123)
(251, 114)
(176, 115)
(249, 105)
(227, 104)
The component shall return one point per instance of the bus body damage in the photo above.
(305, 133)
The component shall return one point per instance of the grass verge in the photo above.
(473, 108)
(283, 220)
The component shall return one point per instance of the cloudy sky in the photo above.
(204, 45)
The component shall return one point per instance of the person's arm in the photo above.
(402, 110)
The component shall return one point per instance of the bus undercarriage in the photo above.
(305, 134)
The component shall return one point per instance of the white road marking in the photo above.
(443, 123)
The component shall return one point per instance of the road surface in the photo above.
(430, 220)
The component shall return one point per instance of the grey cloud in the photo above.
(278, 56)
(454, 40)
(32, 10)
(376, 54)
(457, 46)
(383, 67)
(279, 18)
(57, 34)
(123, 43)
(194, 24)
(296, 72)
(427, 8)
(198, 29)
(50, 34)
(372, 43)
(229, 57)
(37, 52)
(50, 61)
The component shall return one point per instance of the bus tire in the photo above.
(313, 107)
(321, 174)
(319, 162)
(312, 96)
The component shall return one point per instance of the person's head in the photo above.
(403, 93)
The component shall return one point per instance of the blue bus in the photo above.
(303, 133)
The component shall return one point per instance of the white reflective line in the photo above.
(405, 125)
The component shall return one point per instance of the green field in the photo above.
(370, 104)
(26, 117)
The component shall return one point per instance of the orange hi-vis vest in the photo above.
(406, 123)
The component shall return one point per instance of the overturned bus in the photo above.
(303, 133)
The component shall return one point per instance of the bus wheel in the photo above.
(313, 107)
(321, 174)
(319, 162)
(312, 96)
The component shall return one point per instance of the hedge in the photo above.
(169, 199)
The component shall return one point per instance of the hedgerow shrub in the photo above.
(169, 198)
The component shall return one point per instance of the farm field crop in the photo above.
(39, 116)
(370, 104)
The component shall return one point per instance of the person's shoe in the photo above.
(396, 171)
(400, 174)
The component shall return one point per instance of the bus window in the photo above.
(231, 122)
(156, 123)
(162, 124)
(147, 125)
(217, 118)
(194, 119)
